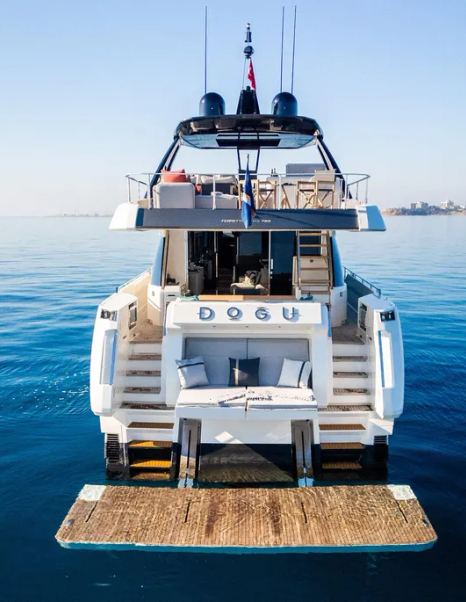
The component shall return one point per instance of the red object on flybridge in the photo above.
(251, 76)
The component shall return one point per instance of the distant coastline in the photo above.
(422, 208)
(82, 215)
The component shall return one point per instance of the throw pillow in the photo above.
(244, 373)
(295, 373)
(192, 373)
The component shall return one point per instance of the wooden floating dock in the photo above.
(311, 519)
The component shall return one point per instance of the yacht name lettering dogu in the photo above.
(261, 313)
(245, 313)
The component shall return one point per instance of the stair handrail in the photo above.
(375, 289)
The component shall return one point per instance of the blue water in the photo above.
(54, 271)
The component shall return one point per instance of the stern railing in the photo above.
(320, 189)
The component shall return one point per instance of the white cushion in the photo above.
(295, 374)
(192, 373)
(274, 398)
(229, 397)
(175, 195)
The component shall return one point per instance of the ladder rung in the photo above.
(318, 282)
(308, 244)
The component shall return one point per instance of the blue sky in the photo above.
(93, 90)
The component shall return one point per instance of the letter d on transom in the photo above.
(290, 315)
(205, 313)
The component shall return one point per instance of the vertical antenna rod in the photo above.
(281, 56)
(205, 49)
(294, 45)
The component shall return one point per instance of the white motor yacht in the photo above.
(248, 353)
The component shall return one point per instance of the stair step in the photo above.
(144, 382)
(349, 407)
(350, 374)
(342, 427)
(150, 476)
(143, 373)
(350, 381)
(146, 356)
(149, 444)
(353, 349)
(308, 269)
(144, 396)
(141, 364)
(307, 245)
(134, 405)
(342, 445)
(350, 391)
(144, 390)
(351, 365)
(350, 358)
(145, 347)
(151, 425)
(343, 465)
(159, 464)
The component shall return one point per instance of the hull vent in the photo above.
(380, 440)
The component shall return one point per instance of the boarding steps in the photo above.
(148, 430)
(141, 382)
(314, 264)
(142, 421)
(343, 423)
(351, 373)
(150, 460)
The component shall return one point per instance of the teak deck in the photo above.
(320, 519)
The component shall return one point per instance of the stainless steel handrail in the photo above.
(375, 289)
(348, 194)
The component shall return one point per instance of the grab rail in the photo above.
(374, 289)
(306, 187)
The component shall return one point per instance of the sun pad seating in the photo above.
(274, 398)
(178, 195)
(213, 396)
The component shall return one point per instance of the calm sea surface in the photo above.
(53, 273)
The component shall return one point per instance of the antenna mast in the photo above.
(205, 49)
(294, 45)
(281, 56)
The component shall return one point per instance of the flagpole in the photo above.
(205, 49)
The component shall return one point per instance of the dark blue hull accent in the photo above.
(267, 219)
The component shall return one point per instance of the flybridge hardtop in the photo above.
(248, 355)
(248, 131)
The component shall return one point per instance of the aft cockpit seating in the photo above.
(276, 355)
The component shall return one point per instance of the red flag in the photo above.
(251, 76)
